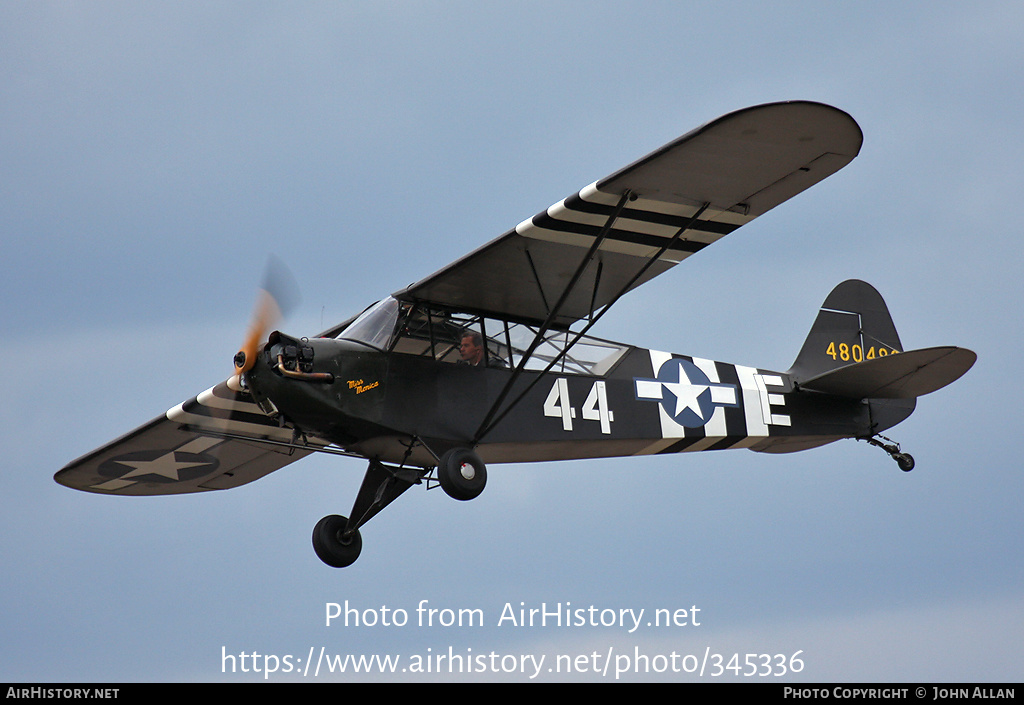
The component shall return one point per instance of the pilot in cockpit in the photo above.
(471, 349)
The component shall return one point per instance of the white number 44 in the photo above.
(595, 408)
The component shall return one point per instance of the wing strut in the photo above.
(492, 420)
(536, 278)
(486, 425)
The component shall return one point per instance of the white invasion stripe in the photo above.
(669, 427)
(708, 368)
(561, 212)
(179, 415)
(200, 444)
(565, 214)
(656, 447)
(745, 442)
(590, 194)
(524, 226)
(702, 444)
(208, 398)
(528, 229)
(658, 359)
(756, 425)
(716, 424)
(113, 485)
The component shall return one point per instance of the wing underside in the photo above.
(202, 444)
(679, 199)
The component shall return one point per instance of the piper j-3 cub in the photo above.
(489, 359)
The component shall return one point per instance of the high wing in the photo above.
(196, 446)
(647, 217)
(563, 265)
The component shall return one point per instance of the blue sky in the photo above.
(154, 154)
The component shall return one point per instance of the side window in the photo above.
(480, 345)
(461, 338)
(452, 337)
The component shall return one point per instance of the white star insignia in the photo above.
(166, 466)
(686, 395)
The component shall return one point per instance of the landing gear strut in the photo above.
(904, 460)
(336, 540)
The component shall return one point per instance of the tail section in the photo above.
(852, 326)
(854, 352)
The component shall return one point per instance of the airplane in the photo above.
(490, 361)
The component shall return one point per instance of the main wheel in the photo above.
(330, 544)
(462, 474)
(905, 461)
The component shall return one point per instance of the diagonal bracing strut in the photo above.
(493, 419)
(553, 313)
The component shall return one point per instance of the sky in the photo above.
(152, 156)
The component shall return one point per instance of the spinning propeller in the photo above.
(277, 297)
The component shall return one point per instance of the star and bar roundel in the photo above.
(694, 396)
(686, 393)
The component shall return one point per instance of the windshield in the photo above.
(374, 325)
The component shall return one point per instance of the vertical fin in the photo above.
(853, 325)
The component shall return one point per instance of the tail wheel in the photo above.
(905, 461)
(333, 545)
(462, 474)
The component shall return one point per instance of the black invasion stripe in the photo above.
(545, 221)
(194, 407)
(735, 416)
(681, 444)
(725, 443)
(576, 203)
(223, 391)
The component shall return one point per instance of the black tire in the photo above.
(329, 545)
(905, 461)
(462, 474)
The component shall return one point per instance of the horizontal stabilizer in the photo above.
(900, 376)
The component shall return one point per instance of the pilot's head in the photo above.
(472, 348)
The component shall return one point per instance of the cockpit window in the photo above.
(375, 325)
(438, 334)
